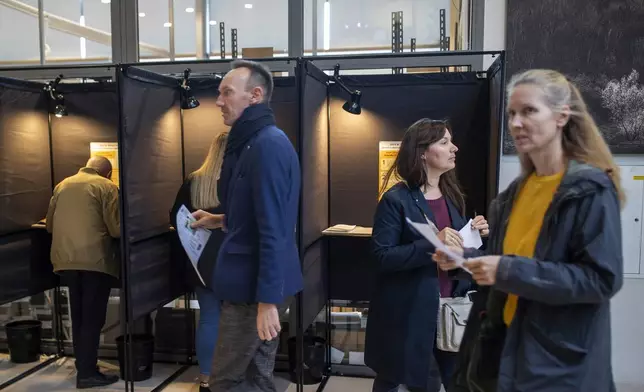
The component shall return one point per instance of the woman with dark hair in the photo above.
(403, 314)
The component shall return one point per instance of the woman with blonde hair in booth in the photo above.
(199, 192)
(554, 256)
(400, 343)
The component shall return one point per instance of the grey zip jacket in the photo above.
(560, 338)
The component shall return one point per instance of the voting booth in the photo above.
(347, 151)
(40, 146)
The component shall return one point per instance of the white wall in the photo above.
(627, 308)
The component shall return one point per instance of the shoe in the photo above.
(97, 380)
(204, 387)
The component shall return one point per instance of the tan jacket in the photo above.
(83, 217)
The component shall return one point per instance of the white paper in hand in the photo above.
(471, 237)
(193, 240)
(426, 231)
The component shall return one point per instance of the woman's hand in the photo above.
(479, 223)
(206, 220)
(483, 269)
(451, 237)
(443, 261)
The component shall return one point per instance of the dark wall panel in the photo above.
(285, 106)
(391, 103)
(25, 175)
(201, 125)
(93, 117)
(315, 157)
(151, 148)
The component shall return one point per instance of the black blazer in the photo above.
(404, 308)
(208, 258)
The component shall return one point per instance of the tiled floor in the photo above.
(9, 370)
(61, 375)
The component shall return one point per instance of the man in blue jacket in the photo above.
(258, 267)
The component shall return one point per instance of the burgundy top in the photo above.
(441, 215)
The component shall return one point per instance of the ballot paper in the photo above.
(426, 231)
(471, 237)
(193, 240)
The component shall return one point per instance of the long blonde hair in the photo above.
(203, 187)
(582, 140)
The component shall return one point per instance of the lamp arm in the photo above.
(341, 84)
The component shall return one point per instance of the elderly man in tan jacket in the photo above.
(83, 218)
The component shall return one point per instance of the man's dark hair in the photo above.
(260, 76)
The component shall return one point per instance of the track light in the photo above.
(352, 106)
(56, 100)
(188, 101)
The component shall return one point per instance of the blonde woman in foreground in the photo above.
(554, 256)
(199, 192)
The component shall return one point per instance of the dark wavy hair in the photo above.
(409, 167)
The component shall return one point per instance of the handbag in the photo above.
(453, 313)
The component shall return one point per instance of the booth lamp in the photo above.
(352, 106)
(188, 101)
(57, 101)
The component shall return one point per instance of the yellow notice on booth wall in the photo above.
(387, 153)
(109, 150)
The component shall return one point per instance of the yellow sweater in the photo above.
(525, 223)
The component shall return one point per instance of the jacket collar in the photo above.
(88, 170)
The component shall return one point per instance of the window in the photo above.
(261, 25)
(345, 27)
(154, 30)
(75, 31)
(19, 43)
(78, 31)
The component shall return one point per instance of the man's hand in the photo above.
(206, 220)
(268, 321)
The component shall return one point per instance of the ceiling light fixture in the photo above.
(190, 10)
(212, 23)
(141, 14)
(248, 6)
(167, 24)
(105, 1)
(352, 106)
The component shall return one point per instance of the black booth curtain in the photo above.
(314, 158)
(389, 105)
(151, 174)
(151, 149)
(25, 173)
(25, 189)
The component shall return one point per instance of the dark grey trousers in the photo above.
(242, 362)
